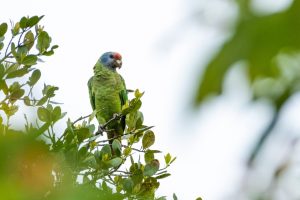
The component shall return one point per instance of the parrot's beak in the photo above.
(119, 63)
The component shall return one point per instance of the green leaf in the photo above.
(163, 176)
(27, 101)
(127, 151)
(106, 150)
(23, 22)
(128, 185)
(29, 40)
(82, 134)
(3, 87)
(17, 73)
(148, 156)
(56, 114)
(116, 146)
(174, 197)
(168, 158)
(43, 41)
(2, 71)
(16, 29)
(137, 176)
(148, 139)
(1, 45)
(32, 21)
(35, 76)
(30, 60)
(44, 114)
(42, 101)
(151, 168)
(115, 162)
(3, 29)
(16, 94)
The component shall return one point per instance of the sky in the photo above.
(161, 47)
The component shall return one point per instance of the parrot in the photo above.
(107, 93)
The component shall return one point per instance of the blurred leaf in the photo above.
(128, 185)
(256, 40)
(148, 139)
(151, 168)
(163, 176)
(174, 197)
(115, 162)
(116, 146)
(44, 114)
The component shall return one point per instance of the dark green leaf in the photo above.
(30, 60)
(16, 94)
(163, 176)
(128, 185)
(106, 150)
(148, 139)
(18, 73)
(3, 29)
(32, 21)
(2, 71)
(137, 176)
(27, 101)
(116, 146)
(35, 76)
(151, 168)
(174, 197)
(23, 22)
(1, 45)
(82, 134)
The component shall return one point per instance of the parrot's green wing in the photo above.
(123, 93)
(124, 98)
(91, 94)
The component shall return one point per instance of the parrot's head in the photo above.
(111, 60)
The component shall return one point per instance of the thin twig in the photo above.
(80, 118)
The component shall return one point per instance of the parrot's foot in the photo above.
(100, 130)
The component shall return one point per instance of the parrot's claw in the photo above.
(100, 130)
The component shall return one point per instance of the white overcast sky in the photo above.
(161, 47)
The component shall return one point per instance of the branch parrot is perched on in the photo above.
(108, 93)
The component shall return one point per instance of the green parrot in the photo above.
(108, 94)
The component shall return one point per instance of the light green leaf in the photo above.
(148, 139)
(168, 158)
(148, 156)
(115, 162)
(35, 76)
(44, 114)
(29, 40)
(116, 146)
(43, 41)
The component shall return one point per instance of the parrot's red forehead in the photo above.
(117, 56)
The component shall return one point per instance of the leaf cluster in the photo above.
(42, 162)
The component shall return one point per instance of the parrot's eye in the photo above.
(111, 56)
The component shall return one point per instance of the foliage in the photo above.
(268, 46)
(39, 162)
